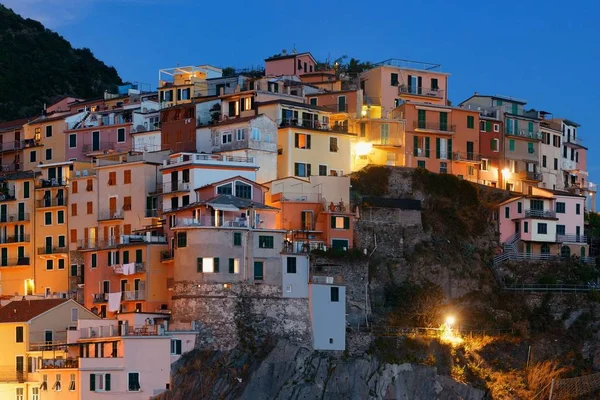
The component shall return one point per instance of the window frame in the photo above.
(129, 373)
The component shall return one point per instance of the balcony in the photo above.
(139, 267)
(434, 126)
(12, 167)
(152, 213)
(110, 215)
(179, 186)
(327, 280)
(212, 222)
(531, 176)
(99, 298)
(9, 374)
(540, 214)
(58, 363)
(306, 124)
(115, 241)
(34, 142)
(88, 244)
(14, 239)
(18, 217)
(15, 262)
(96, 120)
(207, 159)
(7, 195)
(568, 165)
(525, 134)
(421, 91)
(56, 202)
(11, 146)
(50, 183)
(468, 157)
(95, 147)
(336, 108)
(47, 250)
(133, 295)
(167, 255)
(592, 187)
(571, 238)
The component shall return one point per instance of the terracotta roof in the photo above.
(17, 123)
(25, 310)
(237, 120)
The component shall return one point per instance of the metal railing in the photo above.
(179, 186)
(167, 255)
(421, 91)
(7, 195)
(100, 146)
(300, 123)
(525, 134)
(52, 250)
(540, 213)
(537, 287)
(466, 156)
(50, 183)
(11, 146)
(32, 142)
(14, 262)
(514, 256)
(100, 297)
(152, 213)
(12, 167)
(8, 373)
(532, 176)
(185, 158)
(133, 295)
(110, 214)
(56, 363)
(95, 120)
(14, 239)
(212, 222)
(18, 217)
(571, 238)
(114, 241)
(327, 280)
(55, 202)
(434, 126)
(335, 107)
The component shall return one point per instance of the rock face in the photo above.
(294, 372)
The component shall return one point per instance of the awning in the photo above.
(224, 207)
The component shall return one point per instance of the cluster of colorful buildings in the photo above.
(107, 204)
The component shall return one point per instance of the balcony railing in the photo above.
(18, 217)
(138, 268)
(8, 373)
(306, 123)
(421, 91)
(52, 250)
(466, 157)
(14, 239)
(152, 213)
(178, 186)
(327, 280)
(211, 158)
(526, 134)
(14, 262)
(94, 120)
(12, 167)
(57, 363)
(99, 297)
(49, 183)
(101, 146)
(110, 214)
(212, 222)
(133, 295)
(568, 165)
(532, 176)
(31, 142)
(115, 241)
(55, 202)
(7, 195)
(336, 108)
(571, 238)
(167, 255)
(434, 126)
(592, 187)
(540, 214)
(11, 146)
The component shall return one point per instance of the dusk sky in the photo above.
(545, 52)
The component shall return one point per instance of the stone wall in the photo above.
(222, 313)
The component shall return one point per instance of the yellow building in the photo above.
(45, 140)
(32, 360)
(16, 233)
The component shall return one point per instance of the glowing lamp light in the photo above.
(363, 148)
(505, 172)
(363, 113)
(450, 320)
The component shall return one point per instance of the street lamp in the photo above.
(450, 320)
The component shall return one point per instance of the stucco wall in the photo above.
(328, 317)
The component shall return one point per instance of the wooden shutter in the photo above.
(199, 264)
(107, 382)
(118, 230)
(106, 233)
(74, 209)
(85, 234)
(437, 147)
(450, 147)
(127, 229)
(297, 140)
(416, 146)
(427, 146)
(74, 187)
(308, 141)
(216, 264)
(127, 176)
(308, 172)
(90, 208)
(346, 222)
(73, 235)
(332, 221)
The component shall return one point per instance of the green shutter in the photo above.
(333, 222)
(516, 127)
(231, 265)
(492, 145)
(488, 126)
(437, 148)
(346, 222)
(138, 256)
(107, 383)
(26, 190)
(443, 121)
(92, 382)
(416, 146)
(199, 265)
(421, 118)
(125, 256)
(427, 146)
(450, 149)
(530, 127)
(216, 264)
(511, 145)
(297, 140)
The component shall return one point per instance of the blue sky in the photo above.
(546, 52)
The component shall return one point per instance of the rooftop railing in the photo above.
(525, 134)
(421, 91)
(199, 158)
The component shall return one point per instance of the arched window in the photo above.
(565, 252)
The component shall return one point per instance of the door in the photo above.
(106, 287)
(112, 206)
(21, 254)
(258, 271)
(470, 152)
(443, 121)
(20, 367)
(341, 103)
(22, 232)
(95, 141)
(21, 212)
(49, 245)
(3, 213)
(545, 248)
(124, 285)
(4, 258)
(517, 227)
(73, 269)
(173, 181)
(59, 175)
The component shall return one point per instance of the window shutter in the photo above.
(492, 145)
(308, 141)
(427, 146)
(107, 383)
(308, 172)
(216, 264)
(178, 347)
(333, 222)
(450, 147)
(92, 382)
(488, 126)
(437, 148)
(416, 146)
(346, 222)
(117, 257)
(231, 265)
(297, 140)
(199, 265)
(296, 169)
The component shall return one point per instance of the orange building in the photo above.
(441, 138)
(315, 213)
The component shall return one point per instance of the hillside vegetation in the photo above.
(38, 65)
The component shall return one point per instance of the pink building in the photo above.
(545, 221)
(290, 64)
(98, 134)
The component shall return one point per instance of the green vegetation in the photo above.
(38, 65)
(371, 181)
